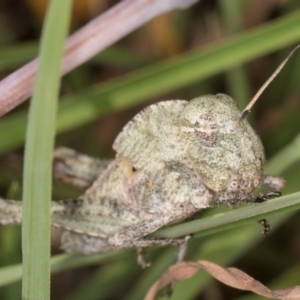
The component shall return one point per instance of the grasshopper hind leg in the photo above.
(78, 243)
(77, 169)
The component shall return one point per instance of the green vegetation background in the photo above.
(214, 47)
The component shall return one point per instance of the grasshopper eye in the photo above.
(207, 130)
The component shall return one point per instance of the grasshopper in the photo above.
(173, 159)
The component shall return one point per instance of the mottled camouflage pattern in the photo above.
(173, 159)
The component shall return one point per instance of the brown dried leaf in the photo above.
(230, 276)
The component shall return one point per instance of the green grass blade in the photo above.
(236, 78)
(217, 223)
(234, 218)
(151, 81)
(59, 263)
(13, 56)
(38, 155)
(285, 157)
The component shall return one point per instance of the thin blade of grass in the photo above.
(285, 158)
(38, 155)
(234, 218)
(236, 78)
(14, 56)
(59, 263)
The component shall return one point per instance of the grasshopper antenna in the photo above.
(246, 111)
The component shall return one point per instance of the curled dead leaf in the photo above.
(230, 276)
